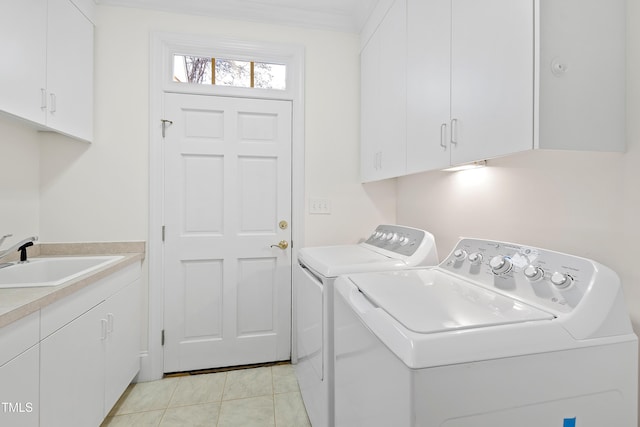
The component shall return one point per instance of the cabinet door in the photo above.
(492, 78)
(72, 372)
(19, 394)
(428, 84)
(122, 360)
(69, 70)
(23, 32)
(393, 91)
(369, 111)
(383, 98)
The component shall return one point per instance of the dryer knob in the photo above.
(533, 272)
(394, 237)
(475, 258)
(459, 254)
(561, 280)
(500, 264)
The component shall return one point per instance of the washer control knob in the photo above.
(561, 280)
(533, 272)
(459, 254)
(403, 240)
(475, 258)
(500, 264)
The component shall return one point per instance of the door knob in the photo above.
(282, 245)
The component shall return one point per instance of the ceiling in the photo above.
(339, 15)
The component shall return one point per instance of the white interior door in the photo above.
(227, 203)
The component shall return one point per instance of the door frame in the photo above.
(162, 47)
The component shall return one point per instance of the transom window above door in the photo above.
(203, 70)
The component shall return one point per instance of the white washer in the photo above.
(390, 247)
(497, 335)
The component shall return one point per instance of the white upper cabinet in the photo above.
(69, 70)
(491, 78)
(582, 73)
(487, 78)
(23, 36)
(47, 77)
(470, 81)
(429, 84)
(383, 97)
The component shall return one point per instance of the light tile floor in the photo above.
(254, 397)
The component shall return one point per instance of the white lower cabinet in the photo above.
(87, 363)
(67, 364)
(122, 346)
(19, 403)
(19, 374)
(72, 373)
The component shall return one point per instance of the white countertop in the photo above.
(16, 303)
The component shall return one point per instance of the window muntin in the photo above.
(228, 72)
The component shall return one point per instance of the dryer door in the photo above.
(309, 324)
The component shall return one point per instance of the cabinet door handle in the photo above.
(43, 99)
(53, 103)
(103, 329)
(454, 131)
(443, 136)
(109, 323)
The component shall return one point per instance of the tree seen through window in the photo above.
(229, 72)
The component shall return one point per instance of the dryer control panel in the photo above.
(414, 247)
(545, 278)
(396, 238)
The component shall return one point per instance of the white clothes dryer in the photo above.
(390, 247)
(498, 334)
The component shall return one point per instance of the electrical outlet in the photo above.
(319, 206)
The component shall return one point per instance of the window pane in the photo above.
(228, 72)
(233, 73)
(191, 69)
(270, 76)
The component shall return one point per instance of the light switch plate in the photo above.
(319, 206)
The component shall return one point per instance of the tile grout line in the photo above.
(224, 387)
(164, 412)
(273, 397)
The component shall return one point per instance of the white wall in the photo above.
(586, 204)
(19, 180)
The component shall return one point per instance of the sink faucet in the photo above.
(3, 238)
(20, 246)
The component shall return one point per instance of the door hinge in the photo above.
(163, 232)
(162, 338)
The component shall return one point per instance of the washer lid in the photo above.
(429, 301)
(332, 261)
